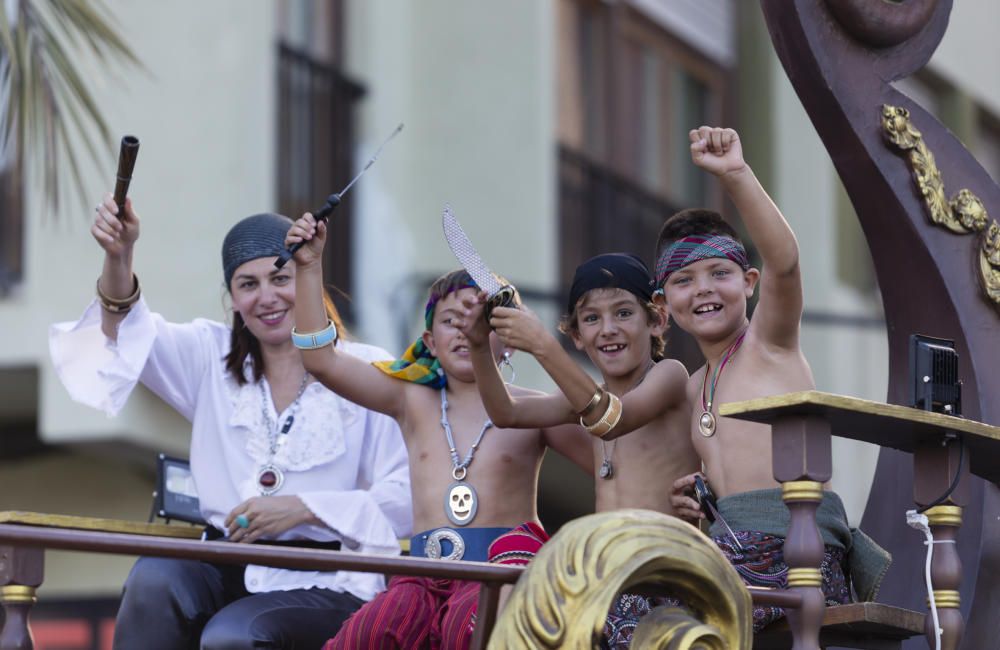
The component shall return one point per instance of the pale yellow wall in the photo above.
(969, 54)
(202, 107)
(474, 83)
(78, 483)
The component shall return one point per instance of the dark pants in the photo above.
(182, 604)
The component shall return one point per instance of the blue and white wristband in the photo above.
(315, 340)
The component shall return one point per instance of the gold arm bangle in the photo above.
(592, 404)
(612, 415)
(119, 305)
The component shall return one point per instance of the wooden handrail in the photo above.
(275, 556)
(135, 543)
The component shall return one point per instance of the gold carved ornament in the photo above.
(563, 599)
(963, 214)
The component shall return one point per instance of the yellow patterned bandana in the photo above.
(417, 363)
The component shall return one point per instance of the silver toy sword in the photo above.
(333, 201)
(500, 295)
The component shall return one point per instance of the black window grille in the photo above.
(603, 212)
(11, 228)
(315, 154)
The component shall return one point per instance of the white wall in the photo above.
(81, 484)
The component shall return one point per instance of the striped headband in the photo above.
(699, 247)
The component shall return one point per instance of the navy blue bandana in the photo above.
(611, 271)
(262, 235)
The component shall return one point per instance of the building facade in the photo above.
(555, 129)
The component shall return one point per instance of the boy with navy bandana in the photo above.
(611, 317)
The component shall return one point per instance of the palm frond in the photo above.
(47, 108)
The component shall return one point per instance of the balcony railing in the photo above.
(601, 211)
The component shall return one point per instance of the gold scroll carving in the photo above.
(963, 214)
(563, 598)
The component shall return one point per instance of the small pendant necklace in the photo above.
(270, 477)
(607, 469)
(460, 501)
(706, 423)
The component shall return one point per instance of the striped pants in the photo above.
(417, 613)
(414, 612)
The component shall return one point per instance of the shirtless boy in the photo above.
(472, 482)
(611, 317)
(706, 281)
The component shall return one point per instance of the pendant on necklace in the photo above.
(607, 470)
(270, 478)
(461, 503)
(706, 424)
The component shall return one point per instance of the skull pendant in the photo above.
(460, 503)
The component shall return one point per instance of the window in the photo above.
(11, 228)
(315, 128)
(629, 92)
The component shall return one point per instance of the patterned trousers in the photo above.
(761, 563)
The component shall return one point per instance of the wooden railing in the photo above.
(22, 557)
(801, 428)
(576, 575)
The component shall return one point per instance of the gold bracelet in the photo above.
(612, 415)
(119, 305)
(594, 401)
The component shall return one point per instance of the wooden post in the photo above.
(20, 574)
(804, 556)
(946, 577)
(802, 461)
(486, 615)
(936, 467)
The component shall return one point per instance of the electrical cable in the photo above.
(954, 482)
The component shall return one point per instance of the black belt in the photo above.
(212, 534)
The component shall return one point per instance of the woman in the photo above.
(275, 456)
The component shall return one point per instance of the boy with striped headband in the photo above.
(706, 280)
(474, 484)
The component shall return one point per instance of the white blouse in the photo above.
(346, 463)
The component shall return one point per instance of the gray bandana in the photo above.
(262, 235)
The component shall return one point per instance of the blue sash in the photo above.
(455, 543)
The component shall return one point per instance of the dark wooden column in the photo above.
(20, 574)
(801, 457)
(936, 469)
(486, 614)
(842, 57)
(946, 577)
